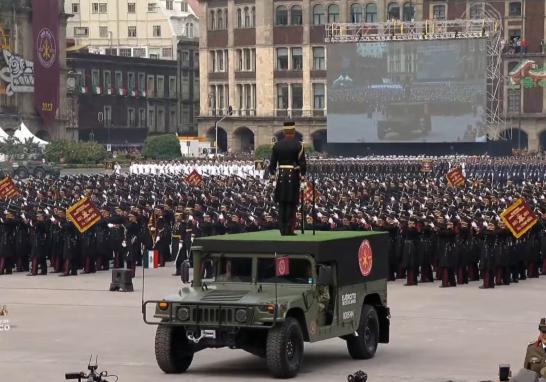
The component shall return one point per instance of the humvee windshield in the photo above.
(239, 269)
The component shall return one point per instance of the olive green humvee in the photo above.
(268, 294)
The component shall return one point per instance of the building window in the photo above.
(393, 11)
(131, 117)
(75, 8)
(141, 82)
(409, 12)
(318, 96)
(514, 100)
(220, 19)
(157, 30)
(151, 118)
(139, 52)
(107, 76)
(248, 59)
(103, 8)
(131, 84)
(172, 87)
(371, 13)
(185, 57)
(476, 11)
(131, 31)
(439, 12)
(119, 80)
(239, 56)
(515, 8)
(211, 20)
(141, 117)
(296, 15)
(318, 15)
(131, 7)
(189, 30)
(103, 32)
(282, 96)
(160, 118)
(220, 61)
(150, 86)
(333, 13)
(253, 17)
(81, 31)
(297, 59)
(107, 115)
(247, 18)
(297, 98)
(282, 58)
(356, 13)
(319, 62)
(152, 7)
(169, 5)
(95, 7)
(239, 18)
(95, 78)
(281, 15)
(125, 52)
(160, 86)
(225, 19)
(173, 126)
(167, 52)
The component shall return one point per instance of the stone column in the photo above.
(265, 61)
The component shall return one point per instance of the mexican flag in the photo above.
(133, 93)
(142, 93)
(122, 91)
(83, 90)
(97, 90)
(110, 91)
(152, 261)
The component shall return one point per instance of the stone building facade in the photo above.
(16, 38)
(266, 59)
(123, 99)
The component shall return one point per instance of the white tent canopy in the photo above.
(3, 135)
(23, 133)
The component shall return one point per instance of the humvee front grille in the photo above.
(225, 295)
(213, 315)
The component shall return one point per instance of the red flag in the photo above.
(519, 218)
(8, 189)
(282, 266)
(456, 178)
(83, 214)
(194, 179)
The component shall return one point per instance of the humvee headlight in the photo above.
(241, 315)
(183, 314)
(269, 308)
(163, 305)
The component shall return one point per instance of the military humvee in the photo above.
(23, 168)
(268, 294)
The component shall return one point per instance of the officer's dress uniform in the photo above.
(289, 157)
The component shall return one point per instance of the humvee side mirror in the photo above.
(325, 275)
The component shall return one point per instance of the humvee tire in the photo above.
(365, 345)
(39, 172)
(22, 173)
(284, 349)
(172, 351)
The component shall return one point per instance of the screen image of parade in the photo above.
(407, 91)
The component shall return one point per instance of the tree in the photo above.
(163, 147)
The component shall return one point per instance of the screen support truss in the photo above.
(489, 28)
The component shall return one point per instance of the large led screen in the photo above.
(407, 91)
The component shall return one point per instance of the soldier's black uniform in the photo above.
(39, 247)
(289, 156)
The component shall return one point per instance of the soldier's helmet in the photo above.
(542, 325)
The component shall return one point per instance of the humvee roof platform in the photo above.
(267, 294)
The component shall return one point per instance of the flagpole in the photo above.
(302, 210)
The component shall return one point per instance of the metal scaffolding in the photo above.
(489, 28)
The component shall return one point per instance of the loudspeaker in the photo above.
(121, 280)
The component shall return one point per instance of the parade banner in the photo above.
(519, 218)
(8, 189)
(45, 31)
(308, 193)
(455, 177)
(426, 166)
(83, 215)
(194, 179)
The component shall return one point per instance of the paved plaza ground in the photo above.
(458, 334)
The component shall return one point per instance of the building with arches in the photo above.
(132, 28)
(267, 60)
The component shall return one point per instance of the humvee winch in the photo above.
(268, 294)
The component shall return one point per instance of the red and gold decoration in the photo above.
(83, 215)
(455, 177)
(8, 189)
(519, 218)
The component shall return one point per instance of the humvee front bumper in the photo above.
(211, 315)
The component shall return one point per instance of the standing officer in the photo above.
(535, 358)
(288, 154)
